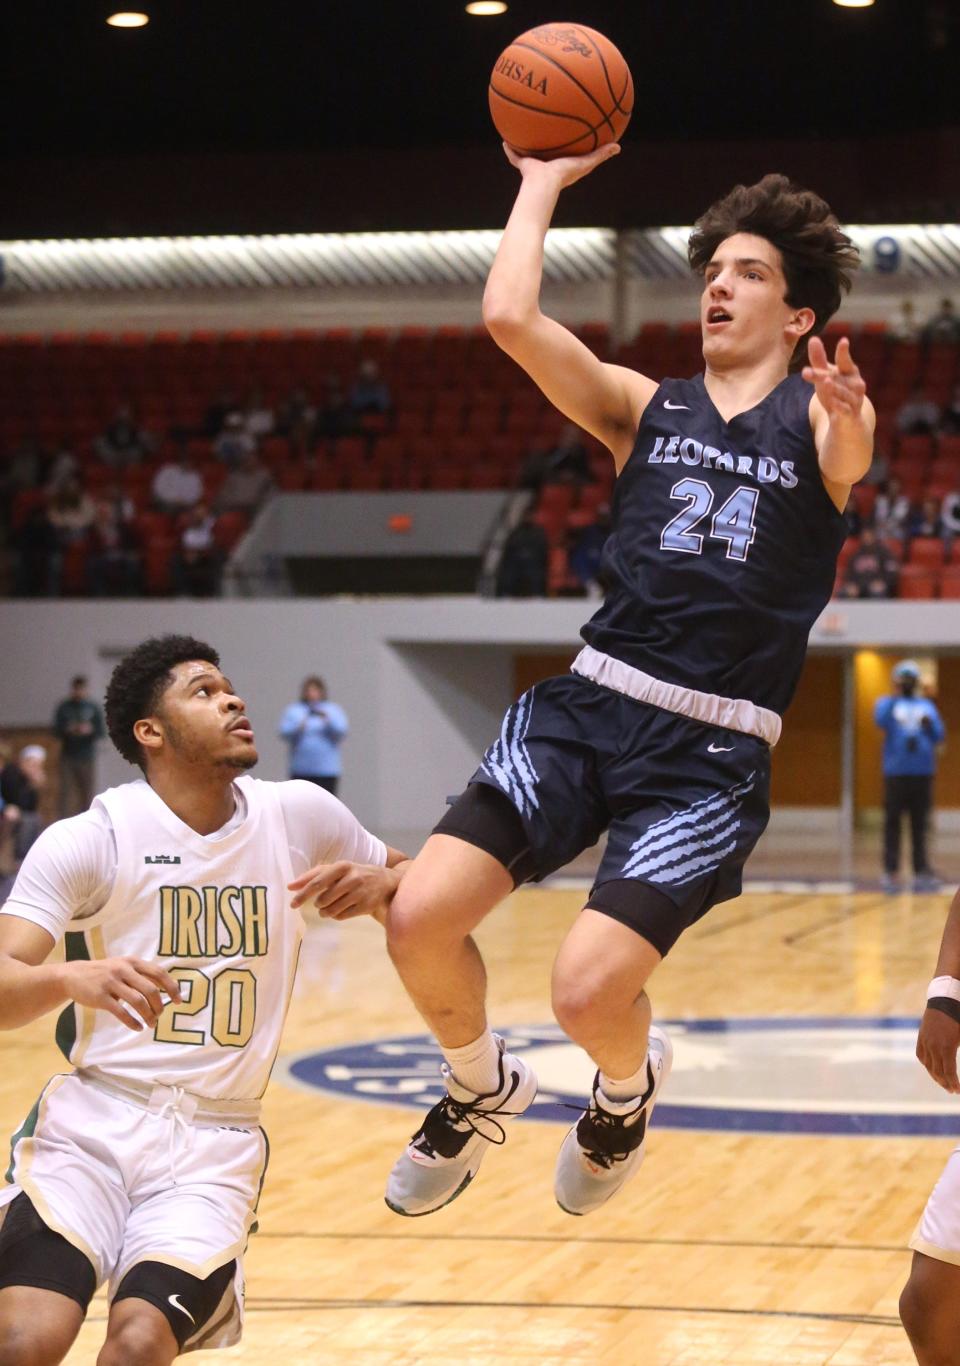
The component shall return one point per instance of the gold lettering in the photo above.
(209, 922)
(231, 922)
(254, 921)
(167, 921)
(189, 910)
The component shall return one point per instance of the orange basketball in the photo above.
(560, 90)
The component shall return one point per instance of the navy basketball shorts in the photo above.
(684, 803)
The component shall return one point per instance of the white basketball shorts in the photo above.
(938, 1232)
(126, 1186)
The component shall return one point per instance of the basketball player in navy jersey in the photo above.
(727, 520)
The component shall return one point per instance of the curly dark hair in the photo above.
(818, 259)
(140, 680)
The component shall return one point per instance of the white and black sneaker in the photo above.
(445, 1153)
(606, 1147)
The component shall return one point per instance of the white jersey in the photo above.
(213, 910)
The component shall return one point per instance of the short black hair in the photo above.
(818, 259)
(78, 681)
(140, 680)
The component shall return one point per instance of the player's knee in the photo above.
(22, 1345)
(414, 922)
(578, 1004)
(140, 1341)
(933, 1340)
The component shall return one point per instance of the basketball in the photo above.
(560, 90)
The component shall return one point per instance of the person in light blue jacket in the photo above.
(912, 729)
(314, 728)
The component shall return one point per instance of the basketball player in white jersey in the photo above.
(930, 1303)
(179, 896)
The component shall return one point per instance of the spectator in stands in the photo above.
(177, 485)
(61, 465)
(925, 519)
(335, 416)
(315, 728)
(891, 511)
(904, 326)
(296, 417)
(258, 417)
(246, 486)
(121, 505)
(523, 565)
(586, 551)
(234, 441)
(78, 725)
(565, 463)
(944, 326)
(71, 511)
(369, 392)
(879, 471)
(114, 564)
(913, 729)
(36, 556)
(950, 417)
(871, 569)
(950, 514)
(122, 442)
(216, 415)
(918, 414)
(21, 783)
(196, 565)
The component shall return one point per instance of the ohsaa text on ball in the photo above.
(516, 71)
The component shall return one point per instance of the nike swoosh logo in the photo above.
(175, 1301)
(720, 749)
(675, 407)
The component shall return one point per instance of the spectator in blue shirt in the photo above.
(912, 731)
(314, 729)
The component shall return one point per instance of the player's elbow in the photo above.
(505, 320)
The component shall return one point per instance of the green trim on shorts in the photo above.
(76, 949)
(263, 1176)
(26, 1130)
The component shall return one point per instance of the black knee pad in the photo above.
(33, 1254)
(186, 1301)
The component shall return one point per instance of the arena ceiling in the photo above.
(270, 75)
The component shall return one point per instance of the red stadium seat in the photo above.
(917, 582)
(950, 582)
(928, 551)
(228, 528)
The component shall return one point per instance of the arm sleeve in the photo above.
(337, 725)
(99, 729)
(67, 873)
(290, 721)
(882, 711)
(58, 725)
(322, 830)
(939, 729)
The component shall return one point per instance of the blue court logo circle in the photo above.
(775, 1075)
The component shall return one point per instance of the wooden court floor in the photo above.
(728, 1247)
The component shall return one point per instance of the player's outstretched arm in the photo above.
(841, 415)
(606, 400)
(939, 1036)
(30, 986)
(343, 890)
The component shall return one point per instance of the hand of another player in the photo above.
(937, 1045)
(107, 983)
(562, 171)
(340, 891)
(840, 387)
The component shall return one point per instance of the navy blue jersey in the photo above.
(724, 545)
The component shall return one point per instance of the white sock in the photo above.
(630, 1088)
(476, 1065)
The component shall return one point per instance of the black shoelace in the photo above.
(450, 1124)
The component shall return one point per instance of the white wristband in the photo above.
(944, 986)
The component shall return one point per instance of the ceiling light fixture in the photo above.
(478, 7)
(853, 4)
(128, 19)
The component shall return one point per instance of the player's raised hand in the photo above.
(341, 891)
(126, 988)
(562, 171)
(840, 387)
(937, 1045)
